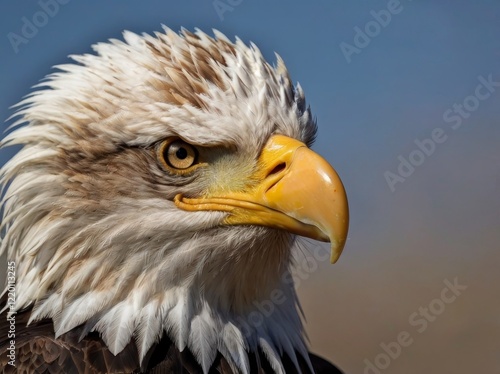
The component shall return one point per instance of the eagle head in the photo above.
(159, 188)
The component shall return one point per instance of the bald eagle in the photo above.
(154, 206)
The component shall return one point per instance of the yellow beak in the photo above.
(296, 190)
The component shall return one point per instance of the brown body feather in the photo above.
(38, 351)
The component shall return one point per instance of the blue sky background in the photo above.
(442, 222)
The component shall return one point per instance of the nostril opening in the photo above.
(277, 169)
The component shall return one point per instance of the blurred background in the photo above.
(407, 97)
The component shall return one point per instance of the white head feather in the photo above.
(88, 213)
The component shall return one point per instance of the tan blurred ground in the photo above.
(356, 307)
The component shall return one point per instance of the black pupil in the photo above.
(181, 153)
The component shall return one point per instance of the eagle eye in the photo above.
(177, 154)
